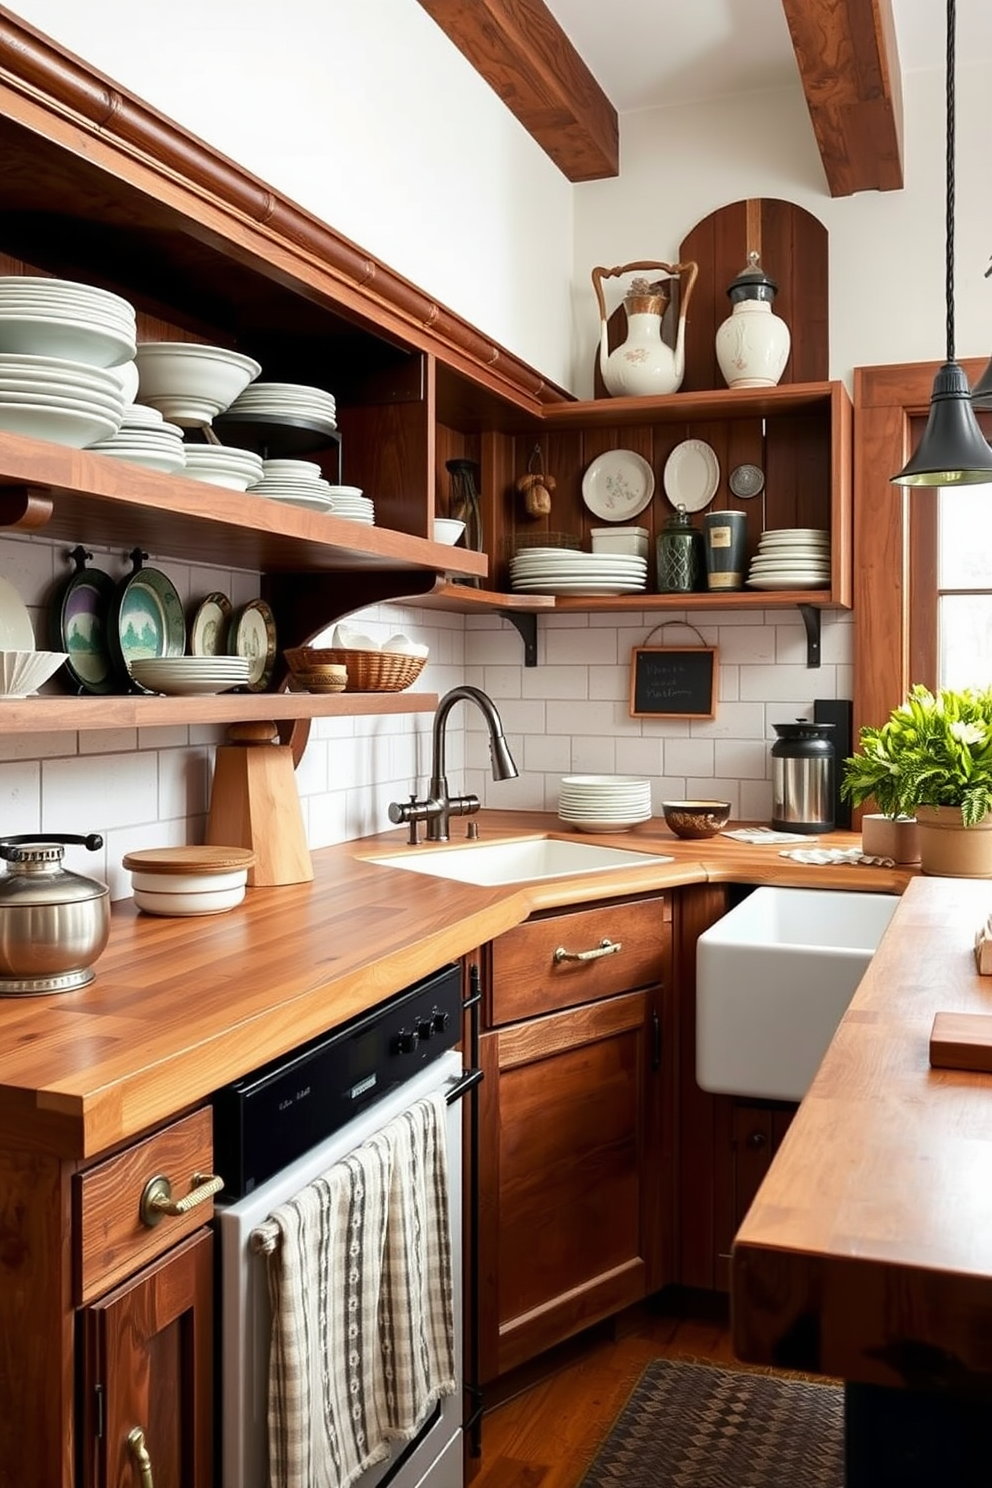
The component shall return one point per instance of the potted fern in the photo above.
(932, 759)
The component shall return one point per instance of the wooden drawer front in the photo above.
(111, 1240)
(527, 980)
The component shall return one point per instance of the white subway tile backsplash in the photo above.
(747, 759)
(547, 752)
(566, 647)
(20, 797)
(748, 644)
(99, 792)
(732, 721)
(595, 755)
(778, 683)
(555, 682)
(640, 756)
(689, 756)
(108, 741)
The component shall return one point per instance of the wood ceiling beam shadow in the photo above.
(523, 54)
(849, 66)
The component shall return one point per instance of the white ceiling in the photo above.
(644, 54)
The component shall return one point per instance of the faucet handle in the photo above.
(412, 812)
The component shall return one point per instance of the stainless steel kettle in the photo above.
(53, 923)
(803, 765)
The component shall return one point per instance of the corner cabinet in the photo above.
(100, 188)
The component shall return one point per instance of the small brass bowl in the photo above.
(696, 818)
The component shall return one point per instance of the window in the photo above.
(963, 598)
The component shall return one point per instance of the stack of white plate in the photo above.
(294, 483)
(791, 558)
(562, 571)
(187, 676)
(223, 465)
(144, 438)
(285, 401)
(67, 402)
(348, 502)
(604, 803)
(58, 318)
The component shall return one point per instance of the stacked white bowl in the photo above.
(189, 383)
(61, 319)
(294, 483)
(604, 803)
(144, 438)
(188, 880)
(223, 465)
(350, 503)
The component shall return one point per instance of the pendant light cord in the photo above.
(949, 245)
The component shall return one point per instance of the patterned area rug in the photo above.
(693, 1426)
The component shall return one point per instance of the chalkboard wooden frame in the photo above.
(673, 682)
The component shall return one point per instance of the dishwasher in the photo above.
(282, 1128)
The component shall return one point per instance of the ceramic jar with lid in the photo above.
(753, 343)
(680, 556)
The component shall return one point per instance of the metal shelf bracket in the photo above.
(526, 624)
(811, 619)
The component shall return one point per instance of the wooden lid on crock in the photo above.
(190, 859)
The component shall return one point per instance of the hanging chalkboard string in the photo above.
(685, 625)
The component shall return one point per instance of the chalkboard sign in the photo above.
(673, 682)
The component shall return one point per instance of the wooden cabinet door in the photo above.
(149, 1364)
(574, 1187)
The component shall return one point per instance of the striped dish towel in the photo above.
(359, 1272)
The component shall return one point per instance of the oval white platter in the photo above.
(692, 475)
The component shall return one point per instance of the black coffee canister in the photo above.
(803, 768)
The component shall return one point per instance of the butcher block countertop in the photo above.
(867, 1253)
(180, 1007)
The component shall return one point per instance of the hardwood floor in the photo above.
(546, 1435)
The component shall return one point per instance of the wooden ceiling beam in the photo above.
(523, 54)
(849, 66)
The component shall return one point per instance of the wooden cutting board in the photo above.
(962, 1041)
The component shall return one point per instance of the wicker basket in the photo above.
(368, 671)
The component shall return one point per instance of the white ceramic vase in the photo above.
(752, 345)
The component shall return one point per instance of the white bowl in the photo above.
(200, 902)
(191, 384)
(447, 530)
(23, 672)
(148, 881)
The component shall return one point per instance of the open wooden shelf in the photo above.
(33, 715)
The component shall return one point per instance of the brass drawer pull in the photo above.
(138, 1450)
(157, 1199)
(606, 947)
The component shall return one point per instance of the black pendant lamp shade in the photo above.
(953, 450)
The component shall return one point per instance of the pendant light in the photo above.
(953, 451)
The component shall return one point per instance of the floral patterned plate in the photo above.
(617, 485)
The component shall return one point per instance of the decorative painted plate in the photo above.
(692, 475)
(253, 634)
(208, 632)
(746, 481)
(78, 617)
(618, 485)
(146, 619)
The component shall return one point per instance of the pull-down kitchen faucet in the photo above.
(439, 806)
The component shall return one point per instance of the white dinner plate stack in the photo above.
(282, 402)
(58, 318)
(223, 465)
(350, 503)
(791, 558)
(144, 438)
(188, 676)
(294, 483)
(604, 803)
(565, 571)
(66, 402)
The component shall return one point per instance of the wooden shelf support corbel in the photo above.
(25, 508)
(811, 619)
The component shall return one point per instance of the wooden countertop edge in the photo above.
(81, 1073)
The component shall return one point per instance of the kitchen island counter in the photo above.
(182, 1006)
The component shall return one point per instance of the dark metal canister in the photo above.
(680, 555)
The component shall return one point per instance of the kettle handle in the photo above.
(9, 845)
(676, 270)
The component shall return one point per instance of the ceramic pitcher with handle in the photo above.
(644, 364)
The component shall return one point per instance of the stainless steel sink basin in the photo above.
(773, 980)
(489, 864)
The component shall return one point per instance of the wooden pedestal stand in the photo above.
(254, 803)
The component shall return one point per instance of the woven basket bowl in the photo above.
(368, 671)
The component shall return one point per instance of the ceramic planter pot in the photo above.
(895, 837)
(948, 849)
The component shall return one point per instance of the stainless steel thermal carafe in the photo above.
(803, 765)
